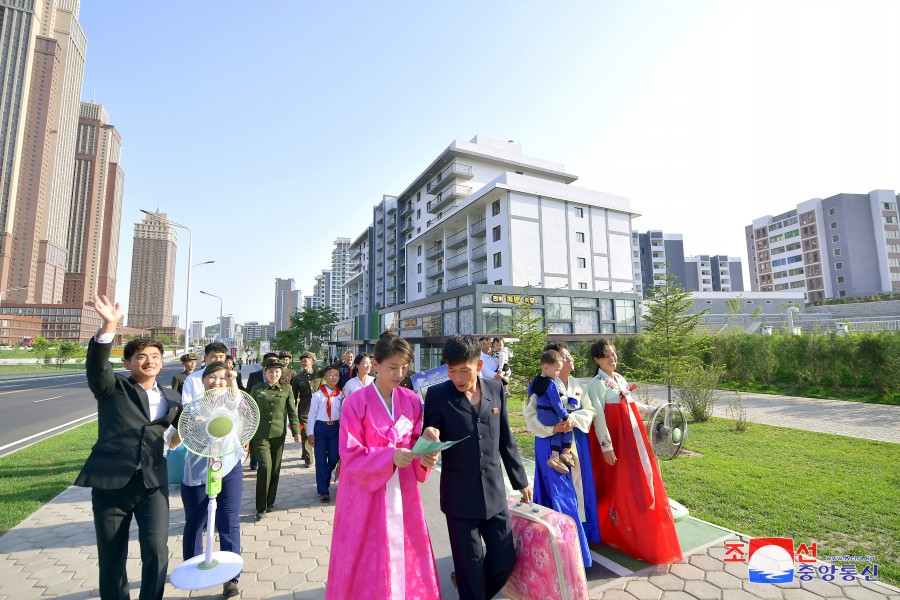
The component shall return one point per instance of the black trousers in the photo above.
(481, 570)
(113, 511)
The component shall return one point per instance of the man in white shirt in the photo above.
(489, 366)
(193, 385)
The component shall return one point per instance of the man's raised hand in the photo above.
(109, 311)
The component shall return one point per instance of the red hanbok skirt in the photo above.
(623, 496)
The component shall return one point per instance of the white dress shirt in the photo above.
(159, 405)
(318, 409)
(192, 387)
(488, 366)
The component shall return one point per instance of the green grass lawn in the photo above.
(35, 475)
(850, 395)
(39, 369)
(840, 492)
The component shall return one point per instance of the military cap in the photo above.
(272, 363)
(308, 355)
(285, 354)
(188, 356)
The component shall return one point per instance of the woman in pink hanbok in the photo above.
(380, 547)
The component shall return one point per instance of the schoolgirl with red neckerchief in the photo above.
(632, 504)
(324, 427)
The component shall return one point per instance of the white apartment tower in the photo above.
(845, 245)
(340, 273)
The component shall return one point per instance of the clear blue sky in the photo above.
(272, 128)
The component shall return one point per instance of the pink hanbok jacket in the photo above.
(380, 547)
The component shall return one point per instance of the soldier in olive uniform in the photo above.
(189, 362)
(287, 374)
(275, 400)
(304, 384)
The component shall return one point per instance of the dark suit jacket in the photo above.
(471, 480)
(126, 437)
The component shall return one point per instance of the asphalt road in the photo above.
(41, 407)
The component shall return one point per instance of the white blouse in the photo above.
(355, 384)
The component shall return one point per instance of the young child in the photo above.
(324, 425)
(552, 410)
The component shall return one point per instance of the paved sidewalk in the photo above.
(52, 554)
(854, 419)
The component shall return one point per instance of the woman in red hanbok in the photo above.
(631, 501)
(380, 547)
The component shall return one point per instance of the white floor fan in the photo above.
(218, 423)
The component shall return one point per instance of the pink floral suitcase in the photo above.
(548, 563)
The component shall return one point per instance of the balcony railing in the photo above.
(435, 251)
(406, 225)
(392, 239)
(435, 271)
(457, 239)
(458, 282)
(479, 276)
(391, 268)
(436, 289)
(391, 223)
(392, 283)
(391, 253)
(447, 196)
(460, 260)
(392, 209)
(406, 209)
(452, 171)
(478, 229)
(478, 252)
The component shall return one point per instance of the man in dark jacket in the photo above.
(471, 408)
(126, 468)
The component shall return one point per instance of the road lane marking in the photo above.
(36, 388)
(31, 437)
(45, 399)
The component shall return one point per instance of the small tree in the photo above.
(733, 306)
(65, 351)
(528, 328)
(309, 328)
(672, 342)
(41, 347)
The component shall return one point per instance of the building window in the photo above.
(497, 233)
(835, 239)
(833, 225)
(831, 211)
(839, 266)
(579, 236)
(837, 251)
(418, 196)
(582, 285)
(840, 279)
(419, 287)
(419, 250)
(495, 208)
(579, 212)
(498, 260)
(582, 263)
(419, 268)
(419, 213)
(842, 293)
(498, 282)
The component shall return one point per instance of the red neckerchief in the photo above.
(334, 394)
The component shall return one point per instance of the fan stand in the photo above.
(212, 568)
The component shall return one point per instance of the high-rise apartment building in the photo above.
(288, 300)
(43, 49)
(845, 245)
(229, 330)
(96, 209)
(340, 272)
(454, 252)
(656, 253)
(321, 295)
(152, 272)
(197, 331)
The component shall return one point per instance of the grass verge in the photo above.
(35, 475)
(41, 369)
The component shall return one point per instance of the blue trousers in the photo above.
(326, 451)
(228, 507)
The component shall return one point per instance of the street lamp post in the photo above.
(187, 305)
(221, 332)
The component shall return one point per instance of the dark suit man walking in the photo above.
(473, 496)
(126, 467)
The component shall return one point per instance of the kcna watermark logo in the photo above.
(773, 560)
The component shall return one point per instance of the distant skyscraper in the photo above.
(340, 271)
(152, 272)
(228, 327)
(197, 331)
(288, 300)
(96, 212)
(43, 50)
(321, 296)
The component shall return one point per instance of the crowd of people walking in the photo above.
(359, 423)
